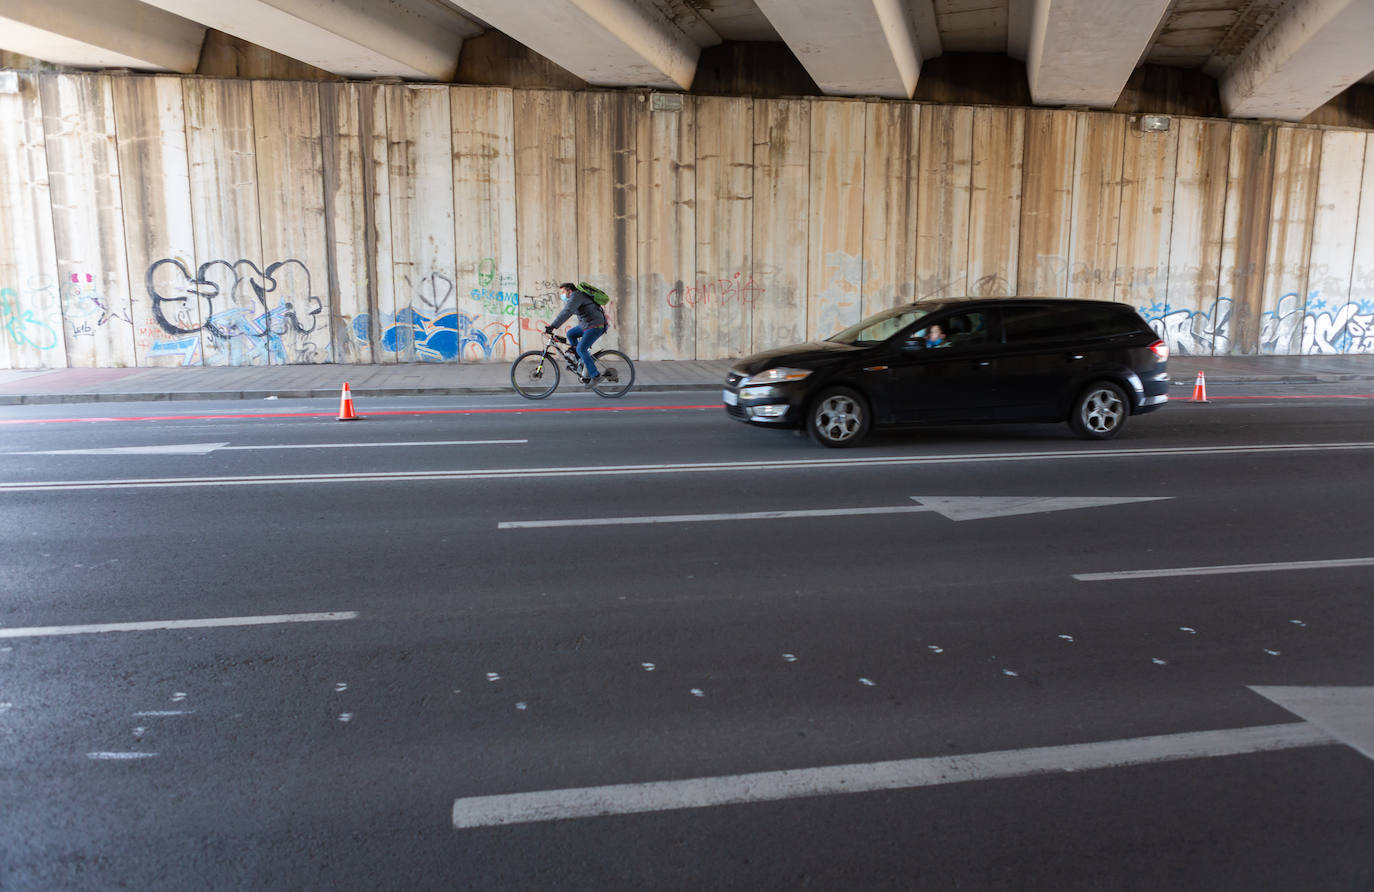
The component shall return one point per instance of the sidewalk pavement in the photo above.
(35, 386)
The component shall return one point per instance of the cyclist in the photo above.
(591, 325)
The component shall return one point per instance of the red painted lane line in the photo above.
(1296, 396)
(364, 415)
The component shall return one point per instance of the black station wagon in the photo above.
(977, 360)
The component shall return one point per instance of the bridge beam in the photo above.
(414, 39)
(609, 43)
(1310, 52)
(109, 34)
(1082, 52)
(858, 47)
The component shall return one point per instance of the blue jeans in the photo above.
(582, 340)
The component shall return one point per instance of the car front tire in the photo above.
(1100, 412)
(838, 418)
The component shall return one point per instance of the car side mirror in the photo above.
(914, 345)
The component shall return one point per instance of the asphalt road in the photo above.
(716, 656)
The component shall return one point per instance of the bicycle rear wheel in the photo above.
(534, 375)
(617, 374)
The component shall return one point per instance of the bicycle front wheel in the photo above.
(534, 375)
(617, 374)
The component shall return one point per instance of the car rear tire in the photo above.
(1100, 412)
(838, 418)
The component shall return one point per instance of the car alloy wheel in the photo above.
(839, 417)
(1100, 412)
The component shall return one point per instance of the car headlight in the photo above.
(776, 376)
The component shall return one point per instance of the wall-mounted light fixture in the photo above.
(1154, 123)
(665, 102)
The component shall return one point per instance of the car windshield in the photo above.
(879, 327)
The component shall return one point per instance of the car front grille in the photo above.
(735, 412)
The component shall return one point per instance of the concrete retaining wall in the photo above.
(187, 220)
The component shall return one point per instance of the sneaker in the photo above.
(592, 382)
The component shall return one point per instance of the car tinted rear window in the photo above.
(1058, 322)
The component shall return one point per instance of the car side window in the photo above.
(1040, 323)
(1032, 323)
(957, 331)
(880, 327)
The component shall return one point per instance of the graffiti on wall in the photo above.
(439, 339)
(737, 289)
(20, 325)
(1348, 328)
(1310, 328)
(1192, 332)
(434, 332)
(839, 301)
(497, 303)
(266, 314)
(87, 309)
(497, 294)
(251, 314)
(540, 307)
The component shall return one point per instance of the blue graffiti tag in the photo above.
(1319, 328)
(24, 330)
(433, 339)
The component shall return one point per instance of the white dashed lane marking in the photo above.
(162, 625)
(1224, 569)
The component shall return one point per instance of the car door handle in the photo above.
(1074, 357)
(982, 364)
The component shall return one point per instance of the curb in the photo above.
(48, 399)
(1284, 379)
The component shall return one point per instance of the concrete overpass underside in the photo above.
(1271, 59)
(297, 181)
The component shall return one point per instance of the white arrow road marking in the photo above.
(952, 507)
(207, 448)
(979, 507)
(771, 786)
(1224, 569)
(685, 468)
(154, 625)
(1346, 713)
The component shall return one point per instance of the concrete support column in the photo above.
(108, 34)
(858, 47)
(1310, 52)
(609, 43)
(1082, 52)
(416, 39)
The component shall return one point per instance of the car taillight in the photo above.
(1161, 350)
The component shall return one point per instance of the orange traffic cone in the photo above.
(1199, 390)
(346, 412)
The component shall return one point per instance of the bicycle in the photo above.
(535, 373)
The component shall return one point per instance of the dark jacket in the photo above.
(588, 311)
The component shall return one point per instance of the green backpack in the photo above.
(596, 294)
